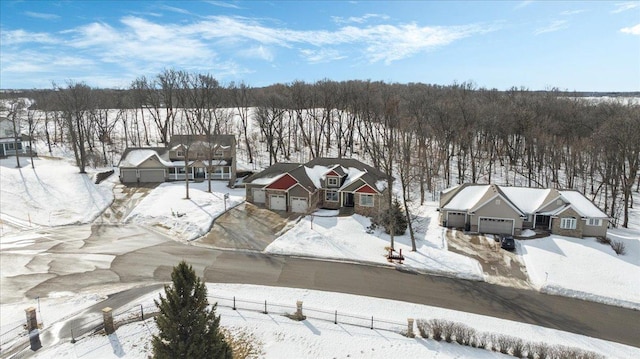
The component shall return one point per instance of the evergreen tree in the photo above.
(394, 218)
(187, 328)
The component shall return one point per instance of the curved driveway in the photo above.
(141, 256)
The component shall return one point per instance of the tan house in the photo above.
(510, 210)
(191, 157)
(333, 183)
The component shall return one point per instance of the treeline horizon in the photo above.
(452, 134)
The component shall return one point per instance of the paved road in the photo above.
(117, 255)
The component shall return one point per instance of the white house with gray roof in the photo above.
(510, 210)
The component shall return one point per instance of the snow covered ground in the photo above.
(185, 219)
(348, 238)
(584, 268)
(318, 336)
(52, 194)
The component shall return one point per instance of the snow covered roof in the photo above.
(582, 205)
(467, 198)
(526, 199)
(133, 157)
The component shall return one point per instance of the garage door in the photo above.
(128, 176)
(455, 220)
(299, 205)
(278, 202)
(151, 175)
(496, 225)
(258, 195)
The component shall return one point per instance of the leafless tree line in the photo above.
(429, 136)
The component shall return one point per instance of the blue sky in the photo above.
(572, 45)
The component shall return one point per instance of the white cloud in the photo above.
(321, 55)
(258, 52)
(556, 25)
(572, 12)
(224, 4)
(632, 30)
(358, 20)
(524, 3)
(43, 16)
(624, 6)
(174, 9)
(14, 37)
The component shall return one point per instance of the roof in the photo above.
(217, 140)
(527, 200)
(582, 205)
(133, 156)
(312, 174)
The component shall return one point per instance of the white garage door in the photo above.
(455, 219)
(151, 175)
(496, 225)
(258, 195)
(299, 205)
(278, 202)
(128, 176)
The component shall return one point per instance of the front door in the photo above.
(348, 200)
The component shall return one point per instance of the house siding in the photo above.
(568, 213)
(595, 231)
(493, 210)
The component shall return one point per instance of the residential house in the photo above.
(510, 210)
(215, 159)
(332, 183)
(12, 144)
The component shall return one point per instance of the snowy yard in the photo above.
(348, 238)
(584, 268)
(317, 336)
(186, 219)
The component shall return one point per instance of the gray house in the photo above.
(333, 183)
(510, 210)
(215, 159)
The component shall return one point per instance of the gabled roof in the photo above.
(312, 174)
(526, 200)
(225, 141)
(134, 156)
(271, 174)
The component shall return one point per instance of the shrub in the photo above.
(518, 347)
(423, 328)
(393, 218)
(618, 247)
(464, 334)
(604, 240)
(244, 344)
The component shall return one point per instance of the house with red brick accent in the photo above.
(332, 183)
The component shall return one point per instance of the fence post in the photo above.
(73, 339)
(335, 319)
(32, 328)
(410, 328)
(265, 308)
(372, 322)
(299, 315)
(234, 302)
(141, 312)
(107, 318)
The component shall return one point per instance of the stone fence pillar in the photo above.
(107, 317)
(32, 328)
(410, 333)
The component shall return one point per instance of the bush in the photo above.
(244, 344)
(464, 334)
(518, 347)
(393, 218)
(423, 328)
(618, 247)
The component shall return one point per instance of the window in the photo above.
(218, 153)
(594, 222)
(331, 196)
(568, 223)
(332, 181)
(366, 200)
(179, 153)
(558, 202)
(497, 202)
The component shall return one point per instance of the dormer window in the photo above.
(180, 153)
(332, 181)
(218, 153)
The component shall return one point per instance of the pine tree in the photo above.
(187, 328)
(394, 218)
